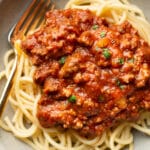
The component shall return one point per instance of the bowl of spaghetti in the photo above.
(82, 79)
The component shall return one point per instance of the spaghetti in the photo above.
(25, 94)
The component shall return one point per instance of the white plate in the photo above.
(10, 11)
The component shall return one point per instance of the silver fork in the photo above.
(31, 19)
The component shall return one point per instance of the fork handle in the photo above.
(8, 86)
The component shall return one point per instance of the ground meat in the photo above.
(52, 85)
(49, 68)
(93, 74)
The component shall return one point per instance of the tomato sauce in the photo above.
(93, 74)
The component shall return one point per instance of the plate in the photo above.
(10, 11)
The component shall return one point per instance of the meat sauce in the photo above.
(93, 74)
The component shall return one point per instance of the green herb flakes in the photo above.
(102, 34)
(121, 61)
(106, 53)
(119, 84)
(131, 60)
(97, 49)
(72, 99)
(94, 27)
(62, 60)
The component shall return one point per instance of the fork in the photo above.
(32, 18)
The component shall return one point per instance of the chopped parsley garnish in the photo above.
(106, 53)
(131, 60)
(121, 61)
(122, 87)
(72, 99)
(94, 27)
(106, 49)
(97, 49)
(62, 60)
(101, 98)
(102, 34)
(118, 83)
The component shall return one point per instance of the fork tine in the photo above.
(29, 19)
(41, 22)
(23, 17)
(49, 6)
(32, 17)
(35, 19)
(40, 17)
